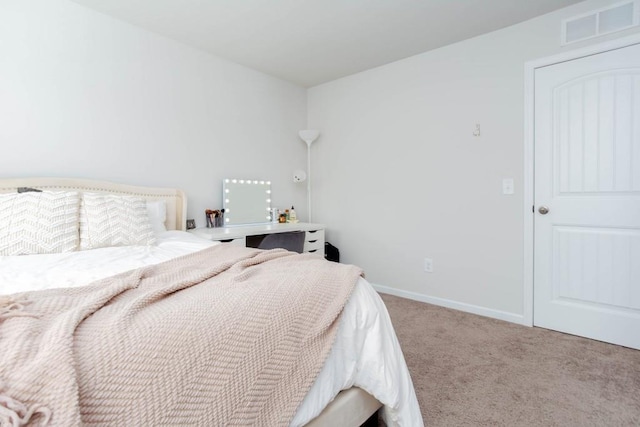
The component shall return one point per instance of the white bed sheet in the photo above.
(366, 352)
(66, 270)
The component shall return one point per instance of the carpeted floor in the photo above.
(470, 370)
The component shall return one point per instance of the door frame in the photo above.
(529, 140)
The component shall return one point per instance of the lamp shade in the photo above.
(309, 136)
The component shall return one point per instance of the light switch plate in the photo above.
(507, 186)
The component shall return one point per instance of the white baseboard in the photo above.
(469, 308)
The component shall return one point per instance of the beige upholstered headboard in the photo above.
(175, 199)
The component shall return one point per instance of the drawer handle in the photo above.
(227, 240)
(313, 241)
(314, 250)
(312, 231)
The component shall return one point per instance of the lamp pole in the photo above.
(309, 178)
(309, 136)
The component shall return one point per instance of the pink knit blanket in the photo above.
(225, 336)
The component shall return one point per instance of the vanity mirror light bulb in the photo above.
(268, 200)
(226, 219)
(226, 190)
(268, 182)
(268, 209)
(234, 181)
(226, 180)
(267, 217)
(227, 210)
(226, 200)
(268, 191)
(242, 181)
(261, 182)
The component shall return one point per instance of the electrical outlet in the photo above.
(428, 265)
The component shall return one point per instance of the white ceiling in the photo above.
(309, 42)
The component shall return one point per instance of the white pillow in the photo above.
(109, 220)
(39, 222)
(157, 210)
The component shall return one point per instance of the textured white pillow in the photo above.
(108, 220)
(157, 210)
(39, 223)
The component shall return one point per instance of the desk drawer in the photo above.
(240, 241)
(314, 242)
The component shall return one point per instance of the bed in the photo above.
(364, 370)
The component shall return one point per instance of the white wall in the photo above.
(85, 95)
(400, 176)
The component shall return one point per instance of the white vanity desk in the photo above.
(237, 235)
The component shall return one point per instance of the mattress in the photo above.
(365, 354)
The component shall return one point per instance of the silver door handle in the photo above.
(543, 210)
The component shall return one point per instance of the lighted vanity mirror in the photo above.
(246, 201)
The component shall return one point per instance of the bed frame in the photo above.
(175, 199)
(350, 408)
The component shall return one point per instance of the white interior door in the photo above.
(587, 174)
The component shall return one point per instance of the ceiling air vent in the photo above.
(617, 17)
